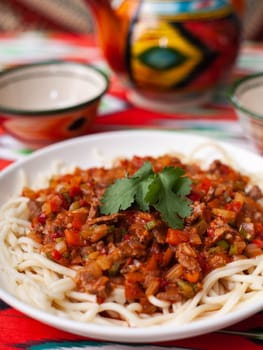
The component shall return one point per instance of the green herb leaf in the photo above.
(166, 191)
(123, 193)
(170, 198)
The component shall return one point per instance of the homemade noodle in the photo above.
(49, 286)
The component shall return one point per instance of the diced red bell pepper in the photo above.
(258, 242)
(259, 229)
(42, 218)
(74, 191)
(234, 206)
(56, 255)
(194, 196)
(205, 184)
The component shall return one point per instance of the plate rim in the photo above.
(120, 333)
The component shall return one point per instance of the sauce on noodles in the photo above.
(136, 249)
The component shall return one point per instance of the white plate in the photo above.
(94, 150)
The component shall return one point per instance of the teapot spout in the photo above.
(110, 33)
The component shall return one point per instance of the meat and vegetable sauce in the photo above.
(138, 248)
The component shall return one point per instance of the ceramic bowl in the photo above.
(246, 96)
(45, 102)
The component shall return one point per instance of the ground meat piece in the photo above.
(218, 230)
(197, 212)
(255, 193)
(102, 287)
(90, 279)
(216, 260)
(172, 293)
(220, 189)
(104, 219)
(250, 210)
(34, 208)
(132, 248)
(187, 257)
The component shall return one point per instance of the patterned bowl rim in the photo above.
(30, 112)
(244, 83)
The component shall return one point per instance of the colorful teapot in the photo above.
(169, 53)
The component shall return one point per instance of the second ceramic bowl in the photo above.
(246, 97)
(45, 102)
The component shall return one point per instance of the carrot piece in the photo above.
(192, 276)
(73, 238)
(174, 236)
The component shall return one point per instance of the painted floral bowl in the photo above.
(49, 101)
(246, 97)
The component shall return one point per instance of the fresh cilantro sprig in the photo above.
(166, 191)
